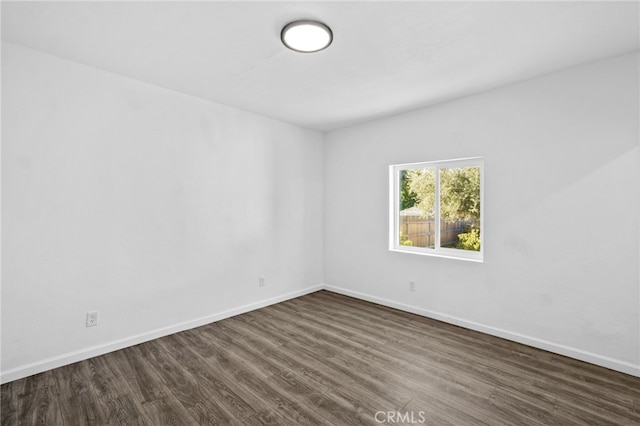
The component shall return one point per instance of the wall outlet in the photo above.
(92, 319)
(412, 286)
(261, 281)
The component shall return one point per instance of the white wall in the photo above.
(561, 212)
(155, 208)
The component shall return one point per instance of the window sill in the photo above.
(477, 258)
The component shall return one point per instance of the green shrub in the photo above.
(470, 240)
(407, 243)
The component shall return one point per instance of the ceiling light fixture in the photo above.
(306, 36)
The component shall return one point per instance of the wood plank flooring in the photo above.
(325, 359)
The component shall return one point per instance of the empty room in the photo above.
(320, 213)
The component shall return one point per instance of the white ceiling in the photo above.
(386, 58)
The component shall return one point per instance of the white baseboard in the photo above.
(568, 351)
(71, 357)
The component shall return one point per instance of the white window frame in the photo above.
(394, 210)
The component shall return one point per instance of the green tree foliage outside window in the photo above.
(408, 198)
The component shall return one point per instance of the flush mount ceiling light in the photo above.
(306, 36)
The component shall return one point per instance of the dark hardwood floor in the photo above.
(325, 359)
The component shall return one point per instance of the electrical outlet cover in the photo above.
(92, 319)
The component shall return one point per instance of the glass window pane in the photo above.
(460, 208)
(417, 203)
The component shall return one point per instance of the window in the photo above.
(436, 208)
